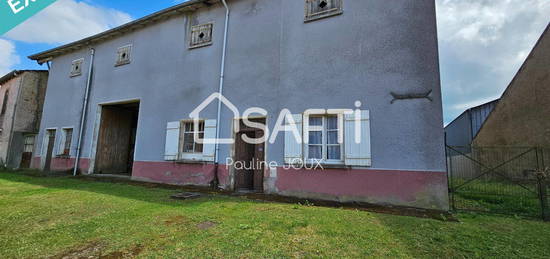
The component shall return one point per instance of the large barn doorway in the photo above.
(117, 139)
(249, 159)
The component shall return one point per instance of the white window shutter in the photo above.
(293, 148)
(357, 154)
(209, 150)
(171, 148)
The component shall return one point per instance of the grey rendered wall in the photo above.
(274, 61)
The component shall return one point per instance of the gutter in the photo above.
(84, 111)
(220, 91)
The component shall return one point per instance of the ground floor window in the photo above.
(28, 144)
(323, 138)
(67, 141)
(189, 129)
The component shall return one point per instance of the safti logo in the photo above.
(285, 122)
(14, 12)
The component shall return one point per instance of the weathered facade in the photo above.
(149, 75)
(522, 117)
(22, 97)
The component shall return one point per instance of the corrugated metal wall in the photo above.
(479, 114)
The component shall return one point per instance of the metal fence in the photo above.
(503, 180)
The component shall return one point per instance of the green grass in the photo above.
(43, 217)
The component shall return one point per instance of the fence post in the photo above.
(450, 177)
(544, 199)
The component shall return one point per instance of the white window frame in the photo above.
(76, 67)
(120, 61)
(190, 155)
(324, 141)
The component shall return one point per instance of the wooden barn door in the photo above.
(113, 147)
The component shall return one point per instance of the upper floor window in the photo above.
(76, 67)
(201, 35)
(318, 9)
(123, 55)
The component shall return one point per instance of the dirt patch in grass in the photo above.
(206, 225)
(94, 251)
(131, 253)
(176, 220)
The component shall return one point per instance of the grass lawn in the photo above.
(56, 217)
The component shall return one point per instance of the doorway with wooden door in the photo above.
(117, 138)
(249, 159)
(50, 143)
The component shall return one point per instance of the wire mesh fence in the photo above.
(503, 180)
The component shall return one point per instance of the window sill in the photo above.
(122, 63)
(200, 45)
(63, 156)
(190, 161)
(322, 15)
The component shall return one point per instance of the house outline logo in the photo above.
(196, 119)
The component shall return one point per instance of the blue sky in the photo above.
(482, 42)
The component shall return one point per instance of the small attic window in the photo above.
(76, 67)
(201, 35)
(123, 55)
(319, 9)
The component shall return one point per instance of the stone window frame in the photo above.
(124, 55)
(310, 15)
(76, 67)
(194, 32)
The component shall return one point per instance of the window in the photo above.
(67, 141)
(201, 35)
(28, 144)
(188, 137)
(323, 139)
(76, 67)
(318, 9)
(123, 55)
(5, 102)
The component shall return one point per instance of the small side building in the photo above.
(522, 117)
(461, 131)
(22, 94)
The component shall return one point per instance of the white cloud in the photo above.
(8, 56)
(482, 44)
(66, 21)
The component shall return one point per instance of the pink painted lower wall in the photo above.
(178, 173)
(390, 187)
(421, 189)
(62, 164)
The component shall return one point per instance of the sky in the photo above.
(482, 43)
